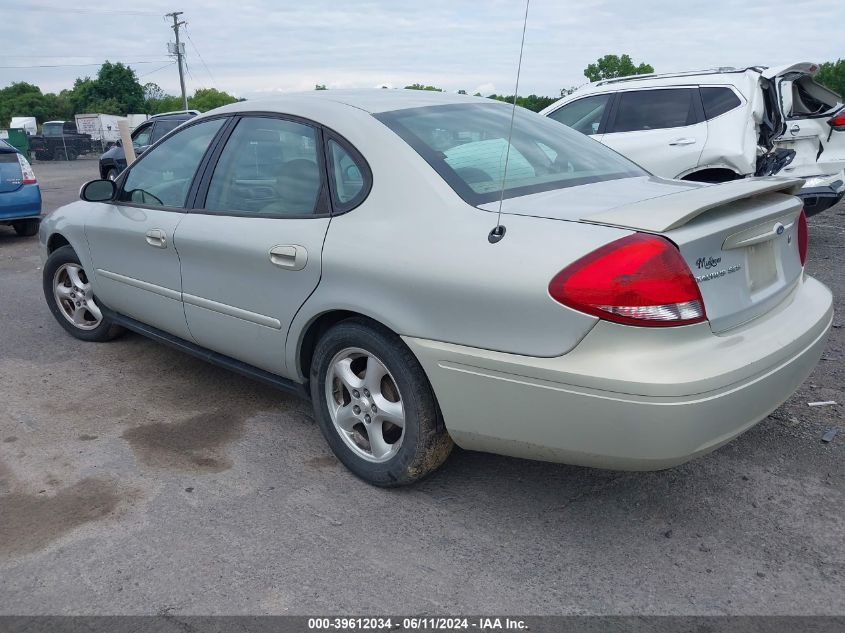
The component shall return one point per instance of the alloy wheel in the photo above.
(365, 404)
(75, 297)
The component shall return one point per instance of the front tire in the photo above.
(375, 406)
(111, 174)
(26, 228)
(70, 296)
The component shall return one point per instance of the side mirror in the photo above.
(98, 191)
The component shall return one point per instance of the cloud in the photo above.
(265, 46)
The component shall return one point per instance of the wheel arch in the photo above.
(56, 241)
(315, 328)
(712, 174)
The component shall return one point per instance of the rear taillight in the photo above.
(638, 280)
(28, 176)
(837, 121)
(803, 237)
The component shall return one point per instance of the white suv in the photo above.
(719, 125)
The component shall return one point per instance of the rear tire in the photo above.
(111, 174)
(70, 296)
(375, 406)
(26, 228)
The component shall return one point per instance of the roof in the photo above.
(372, 101)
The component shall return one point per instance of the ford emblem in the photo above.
(779, 228)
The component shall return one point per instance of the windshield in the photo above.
(466, 144)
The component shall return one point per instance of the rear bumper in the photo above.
(23, 204)
(630, 398)
(821, 193)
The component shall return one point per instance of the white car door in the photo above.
(807, 108)
(661, 129)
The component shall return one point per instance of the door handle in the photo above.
(157, 238)
(683, 141)
(289, 256)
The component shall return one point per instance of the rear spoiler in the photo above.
(665, 213)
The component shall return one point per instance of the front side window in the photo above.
(269, 166)
(583, 115)
(163, 176)
(641, 110)
(717, 101)
(142, 136)
(467, 143)
(162, 128)
(52, 129)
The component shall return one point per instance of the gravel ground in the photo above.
(136, 480)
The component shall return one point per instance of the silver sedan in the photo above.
(426, 274)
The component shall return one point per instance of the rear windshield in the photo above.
(466, 144)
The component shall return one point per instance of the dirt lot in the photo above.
(135, 479)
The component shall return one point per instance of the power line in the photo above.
(196, 50)
(44, 7)
(157, 69)
(158, 61)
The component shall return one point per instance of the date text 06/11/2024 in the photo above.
(415, 624)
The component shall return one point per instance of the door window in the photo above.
(718, 100)
(142, 136)
(269, 166)
(163, 176)
(583, 115)
(162, 128)
(641, 110)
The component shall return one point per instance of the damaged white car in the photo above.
(720, 125)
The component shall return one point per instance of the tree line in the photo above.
(114, 90)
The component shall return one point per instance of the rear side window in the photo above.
(349, 176)
(583, 115)
(718, 101)
(641, 110)
(162, 128)
(269, 166)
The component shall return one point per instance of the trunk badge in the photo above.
(779, 228)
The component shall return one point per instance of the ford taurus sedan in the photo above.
(342, 245)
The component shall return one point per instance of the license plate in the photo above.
(762, 268)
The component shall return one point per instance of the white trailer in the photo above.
(101, 127)
(26, 122)
(136, 119)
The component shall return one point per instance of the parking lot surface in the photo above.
(135, 479)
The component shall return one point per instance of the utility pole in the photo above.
(176, 24)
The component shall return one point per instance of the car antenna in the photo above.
(498, 231)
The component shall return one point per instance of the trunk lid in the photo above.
(738, 238)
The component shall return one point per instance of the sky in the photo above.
(251, 48)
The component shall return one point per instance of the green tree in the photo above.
(118, 84)
(423, 87)
(531, 102)
(209, 98)
(612, 66)
(832, 75)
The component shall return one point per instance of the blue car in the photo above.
(20, 196)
